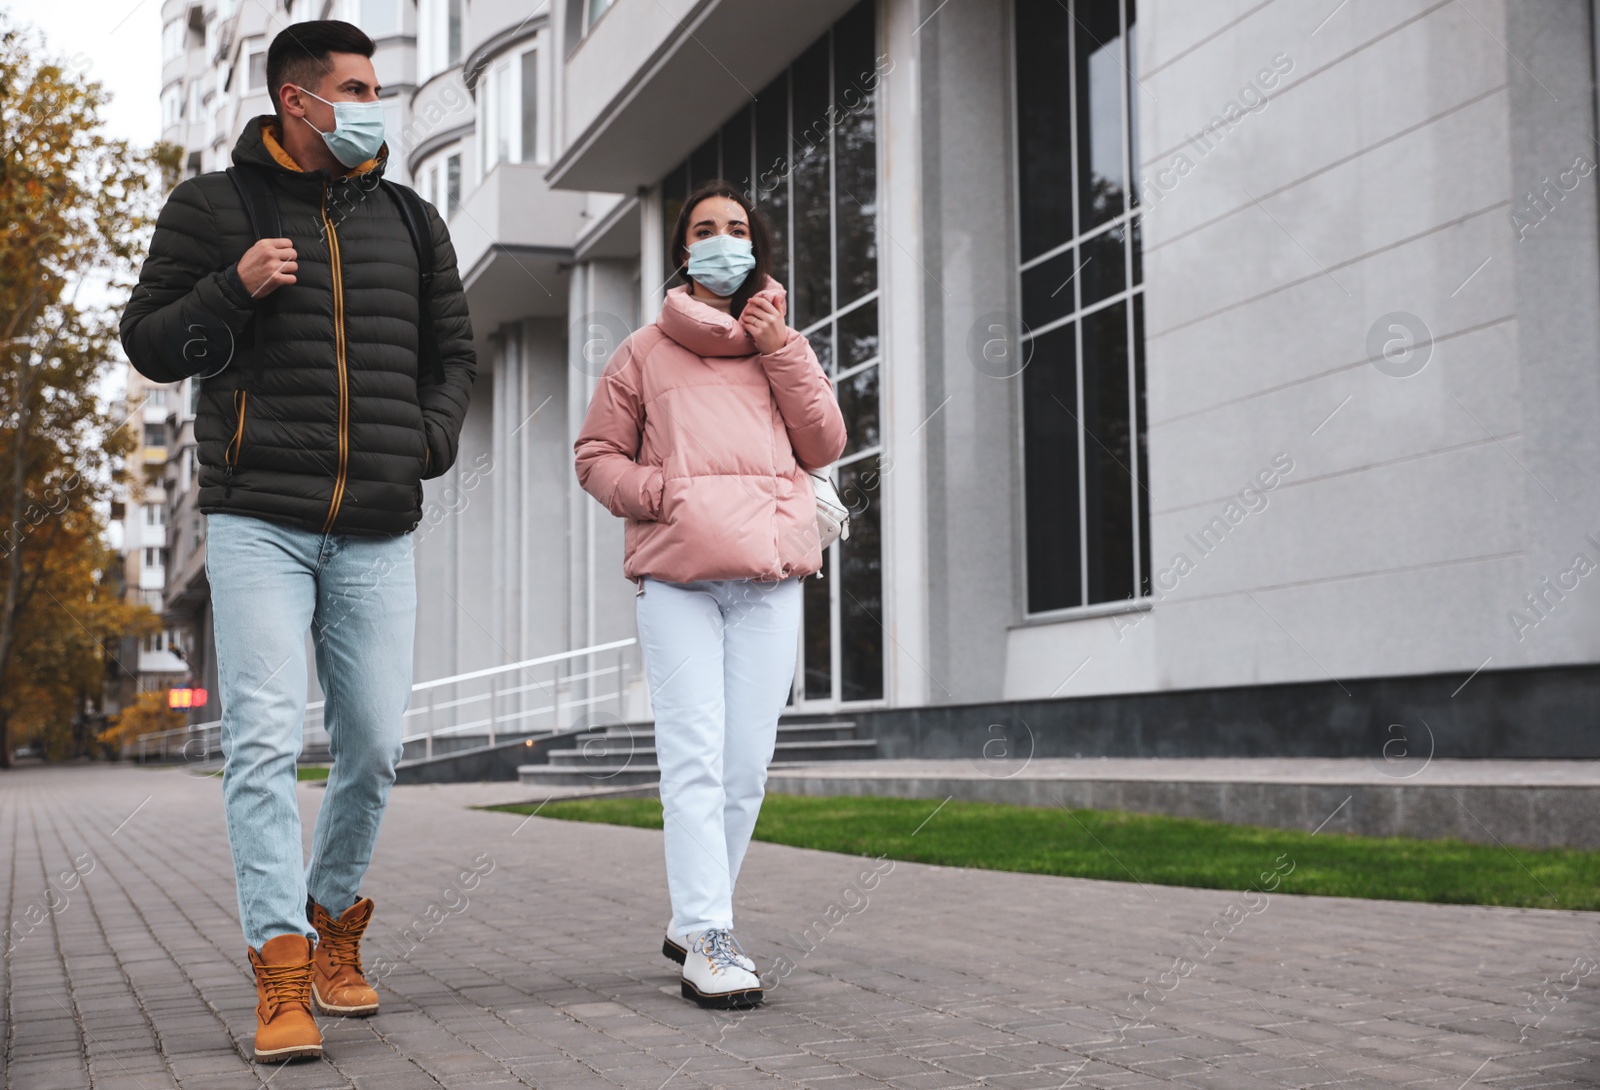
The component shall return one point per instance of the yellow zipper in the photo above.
(339, 358)
(236, 444)
(230, 454)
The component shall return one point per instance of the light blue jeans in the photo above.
(357, 595)
(720, 657)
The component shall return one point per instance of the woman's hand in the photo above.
(764, 322)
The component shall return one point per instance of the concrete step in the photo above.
(613, 752)
(617, 775)
(1531, 803)
(796, 732)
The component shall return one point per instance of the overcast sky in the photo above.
(116, 42)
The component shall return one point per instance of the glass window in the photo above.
(155, 435)
(861, 584)
(171, 39)
(497, 120)
(452, 175)
(452, 49)
(529, 107)
(1087, 535)
(256, 67)
(806, 152)
(597, 8)
(171, 106)
(855, 174)
(811, 290)
(738, 149)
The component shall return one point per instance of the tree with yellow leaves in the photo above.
(74, 205)
(147, 714)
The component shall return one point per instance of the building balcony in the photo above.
(513, 236)
(625, 84)
(187, 589)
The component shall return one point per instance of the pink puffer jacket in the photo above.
(702, 444)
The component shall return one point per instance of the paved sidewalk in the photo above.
(526, 953)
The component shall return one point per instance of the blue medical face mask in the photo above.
(357, 130)
(720, 263)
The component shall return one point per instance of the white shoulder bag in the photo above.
(833, 517)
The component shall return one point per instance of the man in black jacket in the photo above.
(314, 437)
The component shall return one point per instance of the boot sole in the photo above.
(349, 1012)
(293, 1052)
(673, 951)
(724, 1001)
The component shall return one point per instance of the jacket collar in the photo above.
(261, 146)
(705, 330)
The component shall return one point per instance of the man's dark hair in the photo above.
(299, 54)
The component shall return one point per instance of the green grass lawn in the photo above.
(1151, 849)
(301, 772)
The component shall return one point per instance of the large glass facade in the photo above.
(1087, 525)
(805, 151)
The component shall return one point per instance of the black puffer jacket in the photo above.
(329, 429)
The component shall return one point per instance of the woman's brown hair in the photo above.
(760, 238)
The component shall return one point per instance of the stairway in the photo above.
(626, 756)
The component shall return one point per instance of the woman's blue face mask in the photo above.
(720, 263)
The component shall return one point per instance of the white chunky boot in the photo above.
(675, 945)
(712, 975)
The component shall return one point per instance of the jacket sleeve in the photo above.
(805, 399)
(189, 308)
(444, 404)
(608, 444)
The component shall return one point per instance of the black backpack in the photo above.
(261, 205)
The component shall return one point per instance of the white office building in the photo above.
(1219, 379)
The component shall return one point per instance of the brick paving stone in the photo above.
(547, 972)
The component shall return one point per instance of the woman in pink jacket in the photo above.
(700, 434)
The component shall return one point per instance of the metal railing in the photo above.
(500, 700)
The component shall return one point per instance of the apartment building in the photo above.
(1219, 380)
(139, 515)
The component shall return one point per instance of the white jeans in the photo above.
(720, 655)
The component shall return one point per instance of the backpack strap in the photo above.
(261, 206)
(415, 216)
(260, 203)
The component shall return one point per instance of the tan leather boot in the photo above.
(338, 987)
(285, 1028)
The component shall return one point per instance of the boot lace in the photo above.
(719, 945)
(285, 985)
(343, 944)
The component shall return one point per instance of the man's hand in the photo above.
(764, 322)
(267, 266)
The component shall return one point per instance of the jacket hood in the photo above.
(260, 145)
(705, 330)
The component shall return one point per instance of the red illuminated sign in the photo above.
(186, 698)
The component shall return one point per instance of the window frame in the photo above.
(249, 50)
(1129, 297)
(498, 109)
